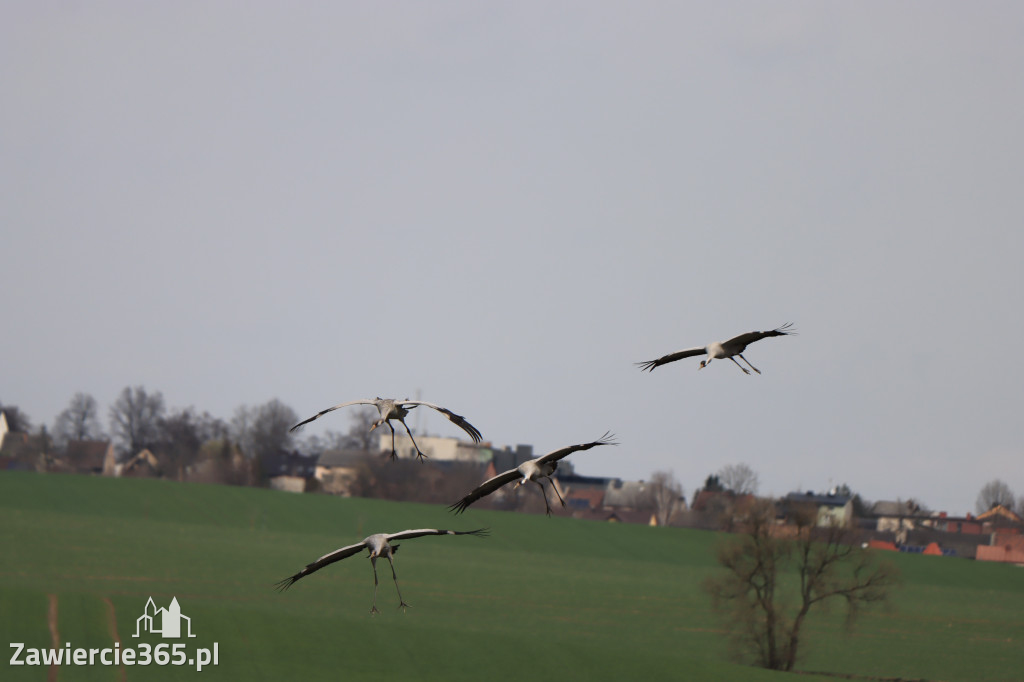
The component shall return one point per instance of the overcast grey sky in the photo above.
(504, 206)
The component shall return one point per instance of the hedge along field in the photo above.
(541, 597)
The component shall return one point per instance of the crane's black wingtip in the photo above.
(283, 585)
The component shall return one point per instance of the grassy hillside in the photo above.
(541, 597)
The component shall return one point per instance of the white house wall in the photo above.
(435, 447)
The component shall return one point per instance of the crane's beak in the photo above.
(702, 363)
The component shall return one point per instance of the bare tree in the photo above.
(666, 494)
(210, 428)
(263, 430)
(764, 619)
(182, 433)
(314, 444)
(240, 428)
(135, 418)
(362, 420)
(992, 493)
(358, 437)
(739, 478)
(79, 421)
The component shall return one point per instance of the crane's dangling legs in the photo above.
(402, 605)
(418, 453)
(557, 494)
(373, 562)
(393, 454)
(745, 370)
(748, 362)
(544, 494)
(385, 421)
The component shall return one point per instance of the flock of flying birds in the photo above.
(535, 470)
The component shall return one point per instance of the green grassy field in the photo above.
(541, 598)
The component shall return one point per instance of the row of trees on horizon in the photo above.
(139, 419)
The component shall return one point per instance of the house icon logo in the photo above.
(166, 622)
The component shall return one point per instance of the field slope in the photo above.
(541, 598)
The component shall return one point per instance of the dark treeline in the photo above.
(139, 435)
(183, 442)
